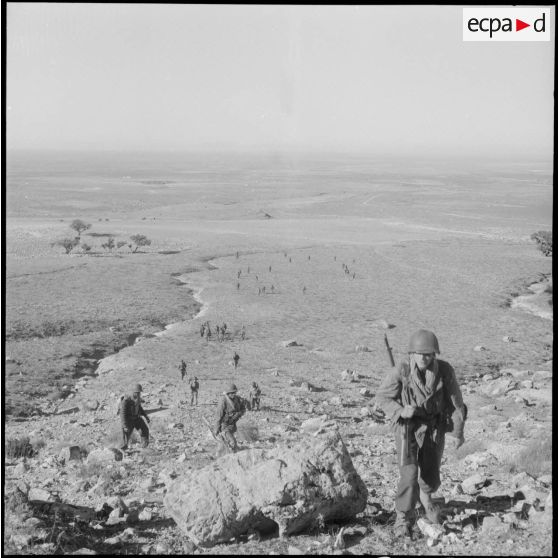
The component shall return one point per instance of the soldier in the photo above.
(194, 387)
(304, 290)
(423, 400)
(230, 410)
(218, 330)
(131, 413)
(237, 286)
(236, 358)
(202, 330)
(182, 368)
(243, 333)
(255, 394)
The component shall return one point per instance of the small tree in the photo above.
(79, 226)
(544, 241)
(139, 240)
(67, 243)
(120, 243)
(109, 244)
(85, 247)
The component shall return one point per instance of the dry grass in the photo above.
(535, 459)
(20, 447)
(469, 447)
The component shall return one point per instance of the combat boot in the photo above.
(402, 526)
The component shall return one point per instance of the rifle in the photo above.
(407, 428)
(389, 350)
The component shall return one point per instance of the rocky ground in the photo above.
(76, 493)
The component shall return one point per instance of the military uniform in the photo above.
(230, 409)
(254, 395)
(194, 387)
(438, 409)
(131, 413)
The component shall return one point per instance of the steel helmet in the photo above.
(424, 342)
(231, 389)
(137, 388)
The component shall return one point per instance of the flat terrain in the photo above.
(439, 246)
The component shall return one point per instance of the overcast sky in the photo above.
(383, 79)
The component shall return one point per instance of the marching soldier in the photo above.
(231, 408)
(424, 402)
(194, 387)
(131, 413)
(254, 395)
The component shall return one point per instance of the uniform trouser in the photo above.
(254, 403)
(135, 424)
(227, 436)
(419, 469)
(194, 396)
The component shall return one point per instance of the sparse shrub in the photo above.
(120, 243)
(79, 226)
(19, 447)
(544, 241)
(67, 243)
(535, 459)
(469, 447)
(85, 247)
(139, 240)
(109, 244)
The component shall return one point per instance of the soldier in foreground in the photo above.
(422, 398)
(254, 396)
(230, 409)
(131, 413)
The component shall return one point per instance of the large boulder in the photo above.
(292, 488)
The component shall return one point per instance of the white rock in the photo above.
(479, 348)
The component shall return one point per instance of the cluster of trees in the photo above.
(544, 241)
(136, 240)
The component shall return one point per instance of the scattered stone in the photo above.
(294, 551)
(286, 486)
(508, 339)
(67, 411)
(479, 348)
(90, 405)
(545, 480)
(145, 515)
(434, 532)
(83, 552)
(105, 455)
(20, 469)
(365, 392)
(175, 425)
(494, 527)
(362, 349)
(291, 343)
(40, 495)
(527, 384)
(473, 483)
(69, 453)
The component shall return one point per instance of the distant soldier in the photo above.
(259, 291)
(238, 274)
(218, 331)
(231, 408)
(237, 255)
(194, 387)
(257, 278)
(354, 275)
(182, 368)
(248, 270)
(308, 257)
(270, 268)
(243, 333)
(224, 327)
(237, 286)
(290, 260)
(272, 289)
(236, 358)
(254, 395)
(304, 290)
(334, 258)
(263, 289)
(208, 334)
(131, 413)
(202, 330)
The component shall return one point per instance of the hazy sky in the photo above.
(368, 78)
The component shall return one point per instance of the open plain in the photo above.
(331, 252)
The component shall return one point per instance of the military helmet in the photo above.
(424, 342)
(254, 384)
(232, 388)
(137, 388)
